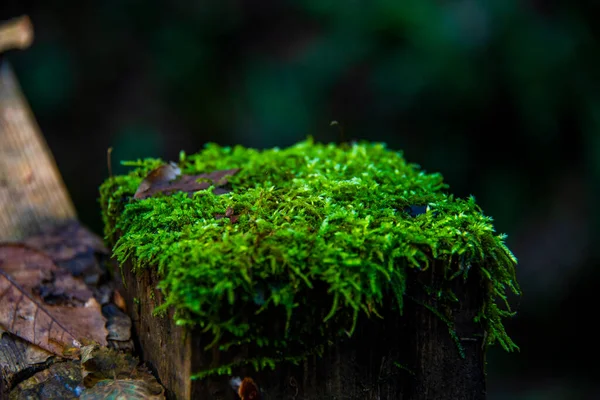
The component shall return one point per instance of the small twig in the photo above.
(16, 33)
(109, 161)
(341, 129)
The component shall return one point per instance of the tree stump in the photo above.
(423, 338)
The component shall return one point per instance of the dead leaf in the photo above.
(159, 176)
(54, 328)
(109, 374)
(119, 300)
(63, 289)
(134, 389)
(73, 247)
(60, 381)
(35, 269)
(100, 363)
(19, 358)
(228, 214)
(163, 180)
(249, 390)
(21, 315)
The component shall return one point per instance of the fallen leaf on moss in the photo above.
(228, 214)
(23, 312)
(159, 176)
(166, 179)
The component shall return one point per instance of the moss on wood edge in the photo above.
(317, 223)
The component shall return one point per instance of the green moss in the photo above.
(317, 223)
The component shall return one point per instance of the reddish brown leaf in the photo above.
(228, 214)
(36, 270)
(119, 300)
(249, 390)
(73, 247)
(65, 241)
(157, 177)
(165, 180)
(23, 313)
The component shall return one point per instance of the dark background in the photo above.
(501, 96)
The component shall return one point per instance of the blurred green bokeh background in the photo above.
(501, 96)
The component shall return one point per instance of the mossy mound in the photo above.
(325, 232)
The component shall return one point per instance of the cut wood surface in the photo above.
(32, 192)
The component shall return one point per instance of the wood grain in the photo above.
(32, 192)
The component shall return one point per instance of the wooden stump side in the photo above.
(439, 370)
(165, 347)
(409, 357)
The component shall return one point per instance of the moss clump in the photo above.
(317, 223)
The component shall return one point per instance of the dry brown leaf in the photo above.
(55, 328)
(36, 270)
(159, 176)
(19, 358)
(60, 381)
(72, 247)
(249, 390)
(119, 300)
(63, 242)
(100, 363)
(228, 214)
(21, 315)
(133, 389)
(166, 179)
(109, 374)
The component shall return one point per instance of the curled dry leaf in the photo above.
(133, 389)
(119, 300)
(56, 328)
(59, 381)
(159, 176)
(100, 363)
(109, 374)
(167, 179)
(249, 390)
